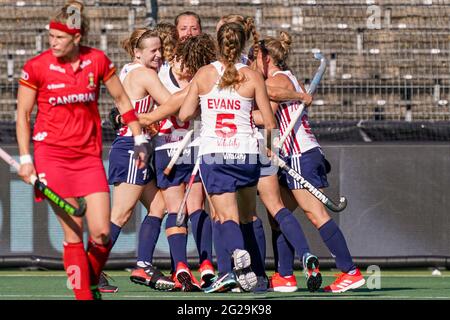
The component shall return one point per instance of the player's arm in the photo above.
(256, 114)
(262, 100)
(170, 107)
(277, 93)
(150, 80)
(190, 104)
(26, 98)
(129, 117)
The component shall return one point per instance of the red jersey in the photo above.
(68, 113)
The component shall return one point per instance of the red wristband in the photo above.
(129, 116)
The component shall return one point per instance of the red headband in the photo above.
(64, 28)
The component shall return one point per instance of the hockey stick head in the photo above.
(319, 74)
(337, 207)
(81, 207)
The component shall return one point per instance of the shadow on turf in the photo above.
(357, 293)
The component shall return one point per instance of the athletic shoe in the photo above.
(278, 283)
(186, 278)
(346, 281)
(104, 286)
(178, 286)
(222, 283)
(152, 277)
(311, 271)
(206, 271)
(244, 274)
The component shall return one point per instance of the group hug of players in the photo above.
(235, 84)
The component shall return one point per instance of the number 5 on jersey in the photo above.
(225, 128)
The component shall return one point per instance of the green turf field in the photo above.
(401, 285)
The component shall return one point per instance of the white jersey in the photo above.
(171, 130)
(143, 105)
(301, 138)
(227, 124)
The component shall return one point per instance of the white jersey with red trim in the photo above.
(301, 138)
(227, 123)
(143, 105)
(171, 130)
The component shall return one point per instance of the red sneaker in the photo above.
(186, 278)
(178, 286)
(346, 282)
(207, 273)
(283, 284)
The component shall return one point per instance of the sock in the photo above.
(97, 256)
(223, 260)
(335, 241)
(255, 244)
(177, 241)
(148, 237)
(77, 268)
(202, 232)
(114, 233)
(275, 235)
(292, 231)
(231, 237)
(286, 256)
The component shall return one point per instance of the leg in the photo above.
(252, 230)
(227, 209)
(74, 255)
(125, 198)
(150, 228)
(201, 228)
(331, 235)
(99, 245)
(177, 237)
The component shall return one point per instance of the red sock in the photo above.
(97, 255)
(77, 268)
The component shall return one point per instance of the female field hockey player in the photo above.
(304, 154)
(189, 56)
(279, 216)
(65, 83)
(229, 148)
(142, 85)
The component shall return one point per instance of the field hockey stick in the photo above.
(181, 215)
(51, 195)
(309, 187)
(176, 155)
(311, 90)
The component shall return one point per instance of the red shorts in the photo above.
(69, 173)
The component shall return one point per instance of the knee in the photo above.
(120, 216)
(101, 237)
(171, 225)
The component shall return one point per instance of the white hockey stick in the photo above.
(176, 155)
(311, 90)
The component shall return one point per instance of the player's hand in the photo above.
(115, 119)
(153, 129)
(26, 170)
(141, 151)
(307, 99)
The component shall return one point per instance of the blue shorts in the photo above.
(122, 166)
(226, 174)
(181, 171)
(310, 165)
